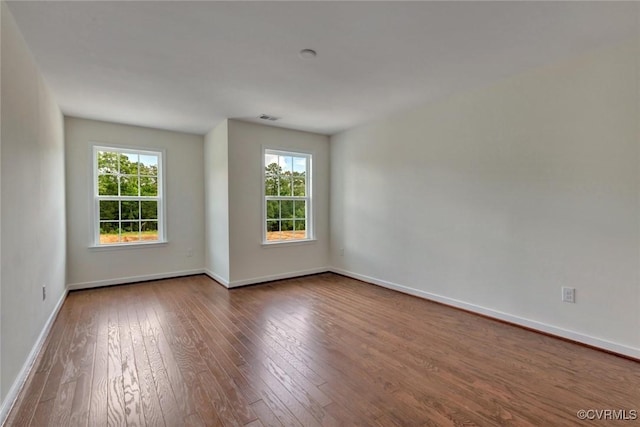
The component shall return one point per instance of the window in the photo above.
(128, 201)
(287, 196)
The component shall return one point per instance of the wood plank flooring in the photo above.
(319, 350)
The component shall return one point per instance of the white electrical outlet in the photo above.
(189, 252)
(341, 251)
(568, 294)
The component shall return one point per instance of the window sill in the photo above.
(127, 246)
(288, 243)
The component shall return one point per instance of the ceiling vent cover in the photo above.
(267, 117)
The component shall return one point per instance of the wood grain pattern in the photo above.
(322, 350)
(99, 380)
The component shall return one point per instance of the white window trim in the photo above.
(310, 214)
(94, 231)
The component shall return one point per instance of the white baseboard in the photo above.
(12, 395)
(510, 318)
(262, 279)
(133, 279)
(217, 278)
(288, 275)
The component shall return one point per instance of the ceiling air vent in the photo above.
(267, 117)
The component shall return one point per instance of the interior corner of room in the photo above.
(490, 199)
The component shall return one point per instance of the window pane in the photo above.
(109, 232)
(128, 164)
(286, 164)
(287, 230)
(128, 185)
(299, 187)
(130, 210)
(273, 230)
(285, 186)
(300, 229)
(273, 169)
(148, 186)
(299, 165)
(148, 164)
(271, 161)
(130, 232)
(107, 162)
(299, 209)
(271, 185)
(286, 209)
(131, 180)
(273, 209)
(149, 230)
(287, 195)
(109, 210)
(107, 185)
(149, 209)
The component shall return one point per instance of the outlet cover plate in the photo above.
(568, 294)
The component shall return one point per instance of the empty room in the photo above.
(319, 213)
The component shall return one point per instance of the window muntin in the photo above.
(287, 196)
(127, 192)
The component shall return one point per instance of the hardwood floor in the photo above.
(319, 350)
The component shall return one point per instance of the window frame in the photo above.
(95, 147)
(308, 198)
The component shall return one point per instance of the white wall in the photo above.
(33, 208)
(216, 186)
(250, 261)
(494, 199)
(2, 395)
(184, 201)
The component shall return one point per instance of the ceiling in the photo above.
(186, 66)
